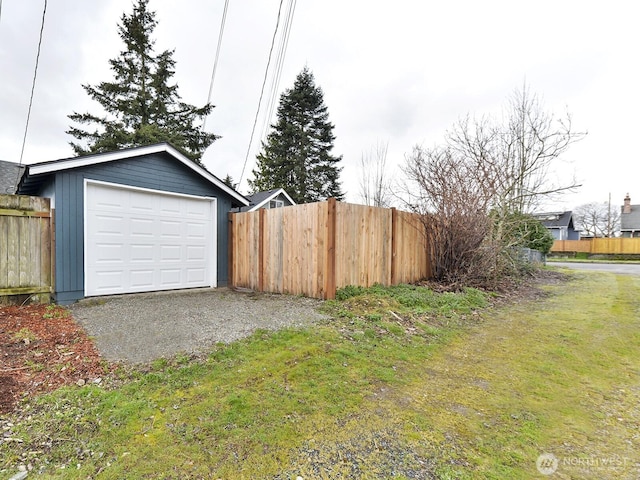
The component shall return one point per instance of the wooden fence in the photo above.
(602, 246)
(25, 248)
(315, 248)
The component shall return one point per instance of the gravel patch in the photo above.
(139, 328)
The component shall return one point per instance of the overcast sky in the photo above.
(397, 72)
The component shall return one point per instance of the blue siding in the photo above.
(157, 172)
(573, 234)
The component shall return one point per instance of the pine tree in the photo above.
(230, 182)
(142, 106)
(297, 153)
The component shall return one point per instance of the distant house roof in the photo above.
(630, 221)
(10, 174)
(260, 199)
(555, 219)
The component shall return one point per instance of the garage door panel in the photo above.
(196, 253)
(195, 275)
(139, 240)
(109, 253)
(170, 208)
(141, 202)
(142, 253)
(141, 278)
(108, 203)
(110, 282)
(195, 210)
(170, 229)
(141, 227)
(196, 231)
(170, 253)
(107, 225)
(170, 277)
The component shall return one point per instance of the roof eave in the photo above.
(76, 162)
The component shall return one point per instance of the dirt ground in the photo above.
(42, 348)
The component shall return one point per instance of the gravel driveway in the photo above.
(142, 327)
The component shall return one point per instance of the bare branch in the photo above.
(375, 181)
(476, 189)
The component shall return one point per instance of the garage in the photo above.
(139, 219)
(140, 240)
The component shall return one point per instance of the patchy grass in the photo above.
(403, 383)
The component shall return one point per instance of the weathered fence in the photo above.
(25, 248)
(315, 248)
(601, 246)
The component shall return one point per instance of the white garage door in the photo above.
(141, 240)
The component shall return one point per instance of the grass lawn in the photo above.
(404, 383)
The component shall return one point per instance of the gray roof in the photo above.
(10, 173)
(630, 221)
(556, 219)
(259, 199)
(38, 171)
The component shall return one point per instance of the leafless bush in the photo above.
(475, 190)
(445, 190)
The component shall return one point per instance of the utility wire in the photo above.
(264, 81)
(33, 88)
(275, 82)
(215, 62)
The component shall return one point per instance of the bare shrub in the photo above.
(476, 189)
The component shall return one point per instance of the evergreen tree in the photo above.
(297, 153)
(229, 182)
(142, 106)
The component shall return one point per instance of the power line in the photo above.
(33, 83)
(33, 88)
(277, 74)
(215, 62)
(264, 81)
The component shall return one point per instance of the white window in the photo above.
(276, 203)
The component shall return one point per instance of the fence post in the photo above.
(230, 252)
(261, 239)
(52, 248)
(330, 274)
(394, 246)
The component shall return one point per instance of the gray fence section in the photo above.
(531, 256)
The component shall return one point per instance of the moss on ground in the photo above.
(404, 383)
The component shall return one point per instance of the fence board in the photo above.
(411, 252)
(312, 249)
(25, 246)
(13, 252)
(363, 245)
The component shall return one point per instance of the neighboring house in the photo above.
(135, 220)
(560, 224)
(275, 198)
(10, 174)
(629, 219)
